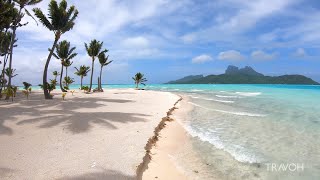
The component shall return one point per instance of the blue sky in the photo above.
(167, 39)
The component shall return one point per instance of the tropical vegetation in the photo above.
(59, 20)
(64, 53)
(93, 50)
(104, 61)
(139, 79)
(82, 72)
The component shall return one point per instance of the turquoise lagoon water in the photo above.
(250, 131)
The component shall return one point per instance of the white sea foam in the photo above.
(196, 90)
(249, 93)
(221, 96)
(217, 100)
(237, 152)
(230, 112)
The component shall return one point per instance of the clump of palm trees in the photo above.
(64, 53)
(11, 14)
(60, 19)
(139, 79)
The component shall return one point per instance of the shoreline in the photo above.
(170, 139)
(154, 139)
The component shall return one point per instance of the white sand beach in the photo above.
(87, 136)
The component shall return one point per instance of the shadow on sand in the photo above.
(65, 114)
(105, 175)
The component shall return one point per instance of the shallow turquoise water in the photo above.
(240, 130)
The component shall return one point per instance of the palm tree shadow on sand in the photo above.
(66, 114)
(106, 174)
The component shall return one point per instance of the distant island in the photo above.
(246, 75)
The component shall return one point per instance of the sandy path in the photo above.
(88, 136)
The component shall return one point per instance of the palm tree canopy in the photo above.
(94, 48)
(60, 19)
(55, 73)
(67, 63)
(103, 59)
(64, 52)
(23, 3)
(5, 39)
(82, 71)
(139, 78)
(7, 14)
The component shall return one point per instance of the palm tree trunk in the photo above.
(81, 82)
(5, 59)
(44, 79)
(10, 57)
(100, 84)
(61, 74)
(14, 28)
(66, 77)
(91, 74)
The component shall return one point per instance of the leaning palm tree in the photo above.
(103, 60)
(139, 79)
(82, 72)
(17, 23)
(60, 20)
(93, 50)
(64, 53)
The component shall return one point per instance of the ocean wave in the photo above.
(236, 151)
(230, 112)
(249, 93)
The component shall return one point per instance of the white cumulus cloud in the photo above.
(263, 56)
(231, 55)
(202, 58)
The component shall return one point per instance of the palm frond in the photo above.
(43, 19)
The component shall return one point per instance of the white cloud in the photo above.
(202, 58)
(231, 26)
(231, 55)
(263, 56)
(136, 42)
(300, 52)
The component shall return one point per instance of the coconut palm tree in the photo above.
(93, 50)
(82, 72)
(60, 20)
(67, 81)
(16, 23)
(103, 60)
(139, 79)
(55, 74)
(64, 53)
(4, 52)
(66, 64)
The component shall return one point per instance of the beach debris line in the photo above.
(153, 140)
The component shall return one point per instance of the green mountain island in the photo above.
(246, 75)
